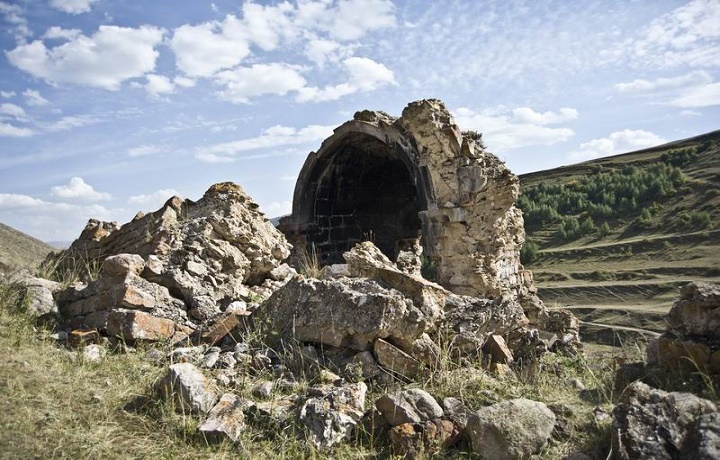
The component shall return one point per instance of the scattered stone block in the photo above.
(189, 387)
(331, 413)
(396, 360)
(408, 406)
(227, 417)
(132, 325)
(497, 349)
(81, 337)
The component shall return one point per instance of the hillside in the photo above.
(614, 238)
(18, 250)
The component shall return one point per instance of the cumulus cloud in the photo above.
(696, 78)
(528, 115)
(521, 127)
(618, 142)
(72, 6)
(7, 94)
(56, 32)
(153, 200)
(105, 60)
(276, 136)
(78, 189)
(700, 96)
(49, 220)
(364, 75)
(34, 98)
(204, 49)
(243, 83)
(158, 85)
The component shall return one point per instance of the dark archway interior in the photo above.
(365, 193)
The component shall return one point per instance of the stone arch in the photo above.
(364, 183)
(462, 195)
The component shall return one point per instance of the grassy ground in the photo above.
(55, 405)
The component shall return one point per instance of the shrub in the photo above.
(529, 253)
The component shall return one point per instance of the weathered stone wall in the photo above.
(436, 182)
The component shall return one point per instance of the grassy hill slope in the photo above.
(613, 238)
(18, 250)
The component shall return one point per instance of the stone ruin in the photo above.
(200, 275)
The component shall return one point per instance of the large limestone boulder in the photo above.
(651, 423)
(342, 313)
(510, 430)
(697, 311)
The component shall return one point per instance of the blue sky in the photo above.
(110, 107)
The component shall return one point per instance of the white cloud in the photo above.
(618, 142)
(14, 15)
(34, 98)
(106, 59)
(56, 32)
(158, 85)
(528, 115)
(321, 51)
(690, 113)
(47, 220)
(363, 75)
(243, 83)
(352, 19)
(278, 208)
(72, 6)
(688, 35)
(78, 189)
(146, 150)
(275, 136)
(71, 122)
(204, 49)
(154, 200)
(696, 78)
(7, 94)
(12, 112)
(700, 96)
(184, 82)
(8, 130)
(521, 127)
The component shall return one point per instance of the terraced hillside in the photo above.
(18, 250)
(613, 238)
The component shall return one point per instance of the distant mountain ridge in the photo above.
(19, 250)
(613, 238)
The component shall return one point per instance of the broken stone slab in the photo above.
(221, 328)
(651, 423)
(510, 430)
(133, 325)
(94, 353)
(331, 413)
(498, 351)
(396, 360)
(363, 363)
(122, 265)
(189, 388)
(456, 411)
(348, 312)
(408, 406)
(367, 261)
(227, 417)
